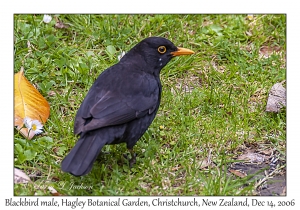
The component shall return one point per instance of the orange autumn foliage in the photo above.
(28, 103)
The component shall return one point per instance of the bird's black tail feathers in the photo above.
(81, 158)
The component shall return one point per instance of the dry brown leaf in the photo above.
(238, 173)
(206, 163)
(60, 24)
(277, 98)
(20, 177)
(28, 103)
(53, 191)
(252, 157)
(51, 93)
(267, 51)
(267, 152)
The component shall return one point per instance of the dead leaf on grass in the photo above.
(206, 161)
(267, 152)
(20, 177)
(53, 191)
(238, 173)
(267, 51)
(51, 93)
(252, 157)
(31, 108)
(277, 98)
(59, 24)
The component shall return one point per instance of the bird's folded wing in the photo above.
(113, 110)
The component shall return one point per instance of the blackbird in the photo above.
(121, 104)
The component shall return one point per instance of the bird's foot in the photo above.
(132, 161)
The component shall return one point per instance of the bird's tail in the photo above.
(81, 158)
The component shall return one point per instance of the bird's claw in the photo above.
(132, 161)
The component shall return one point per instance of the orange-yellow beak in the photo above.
(182, 51)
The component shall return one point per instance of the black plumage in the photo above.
(121, 104)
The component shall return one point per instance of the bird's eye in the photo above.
(162, 49)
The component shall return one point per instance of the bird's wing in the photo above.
(117, 107)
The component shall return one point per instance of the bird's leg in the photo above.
(133, 157)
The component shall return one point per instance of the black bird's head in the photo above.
(154, 53)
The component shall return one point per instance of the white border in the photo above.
(8, 8)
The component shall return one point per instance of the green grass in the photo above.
(212, 103)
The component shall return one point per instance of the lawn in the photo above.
(212, 108)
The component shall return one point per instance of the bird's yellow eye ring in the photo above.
(161, 49)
